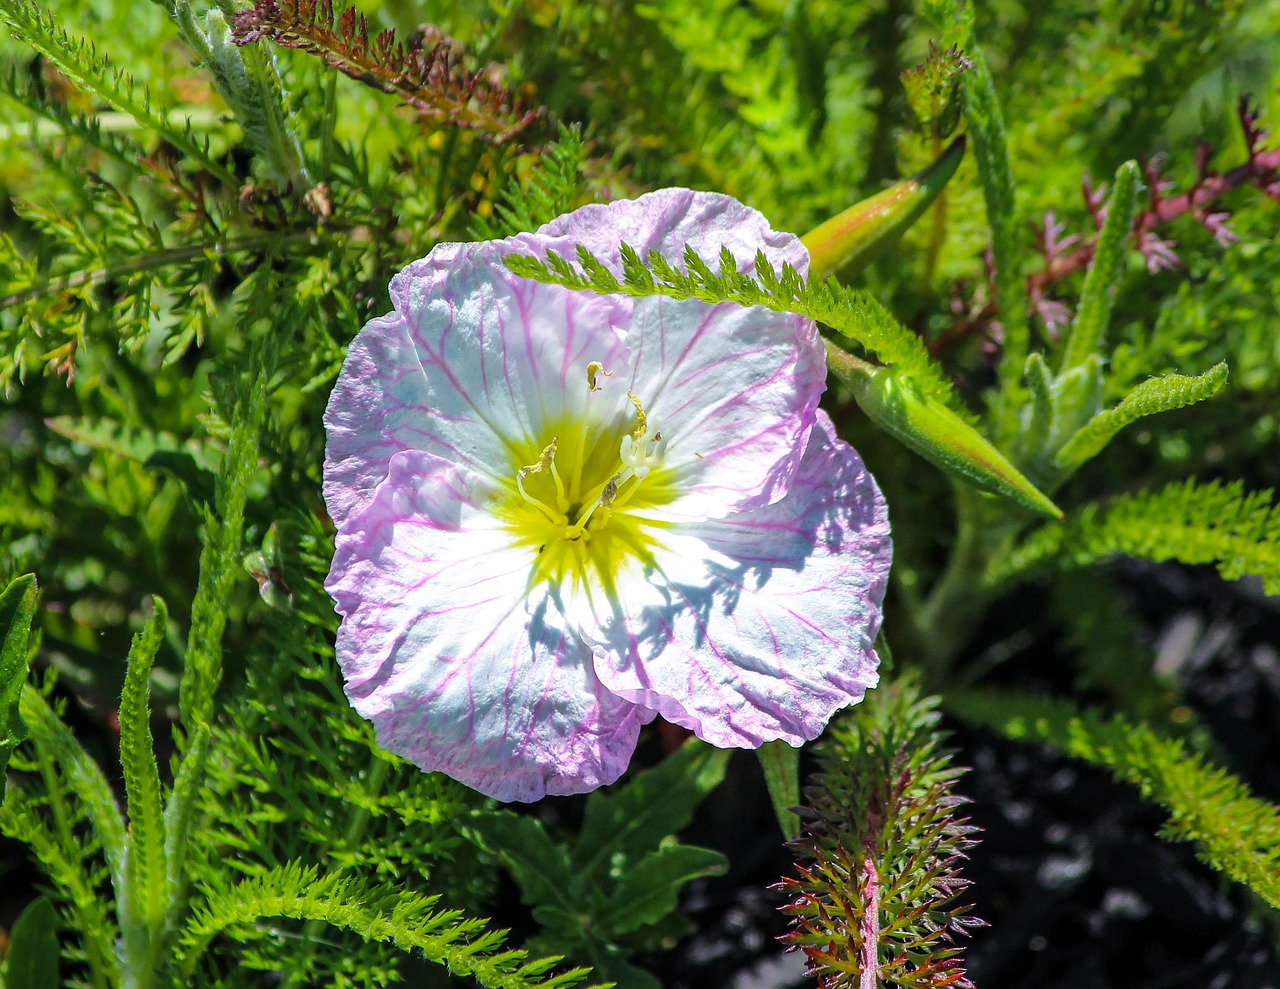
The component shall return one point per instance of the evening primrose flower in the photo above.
(559, 514)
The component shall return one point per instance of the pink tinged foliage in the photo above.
(560, 513)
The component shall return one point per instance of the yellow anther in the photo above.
(545, 461)
(594, 368)
(642, 422)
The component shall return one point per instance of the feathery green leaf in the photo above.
(80, 62)
(1235, 832)
(148, 880)
(855, 314)
(56, 744)
(991, 151)
(220, 558)
(1100, 284)
(1155, 395)
(17, 609)
(179, 818)
(1186, 521)
(377, 914)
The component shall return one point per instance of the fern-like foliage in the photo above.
(80, 62)
(876, 905)
(220, 558)
(1185, 521)
(850, 312)
(426, 73)
(66, 814)
(376, 913)
(148, 877)
(550, 190)
(1098, 296)
(1155, 395)
(1234, 831)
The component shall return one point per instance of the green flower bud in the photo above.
(928, 427)
(853, 239)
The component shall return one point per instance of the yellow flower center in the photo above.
(582, 501)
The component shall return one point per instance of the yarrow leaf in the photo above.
(850, 312)
(411, 921)
(1186, 521)
(426, 73)
(1105, 272)
(148, 876)
(80, 62)
(1234, 831)
(1153, 396)
(17, 609)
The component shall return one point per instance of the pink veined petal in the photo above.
(462, 666)
(667, 219)
(733, 388)
(468, 368)
(735, 391)
(759, 626)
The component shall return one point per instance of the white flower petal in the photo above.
(667, 219)
(468, 368)
(735, 389)
(759, 626)
(460, 664)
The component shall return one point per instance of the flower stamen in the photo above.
(594, 368)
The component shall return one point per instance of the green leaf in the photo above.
(990, 149)
(1236, 833)
(374, 911)
(541, 867)
(621, 825)
(1099, 295)
(221, 555)
(649, 890)
(1155, 395)
(849, 312)
(781, 765)
(148, 876)
(32, 959)
(1186, 521)
(179, 816)
(80, 62)
(55, 743)
(17, 609)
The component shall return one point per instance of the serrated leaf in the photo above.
(1153, 396)
(17, 610)
(32, 959)
(622, 825)
(1186, 521)
(1236, 833)
(650, 889)
(1100, 283)
(179, 815)
(541, 868)
(148, 876)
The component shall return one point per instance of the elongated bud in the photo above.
(932, 430)
(853, 239)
